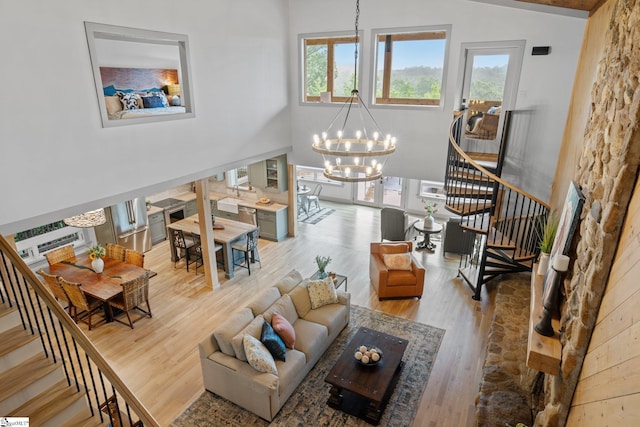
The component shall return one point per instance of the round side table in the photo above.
(426, 232)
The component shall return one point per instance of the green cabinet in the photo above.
(269, 174)
(190, 208)
(157, 227)
(273, 225)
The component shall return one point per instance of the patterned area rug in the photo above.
(307, 405)
(317, 216)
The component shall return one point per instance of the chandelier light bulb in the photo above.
(393, 141)
(327, 144)
(347, 145)
(327, 163)
(374, 162)
(339, 134)
(379, 167)
(369, 170)
(347, 171)
(338, 161)
(316, 139)
(356, 161)
(375, 136)
(330, 168)
(386, 144)
(358, 135)
(324, 136)
(369, 145)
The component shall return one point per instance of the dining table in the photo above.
(225, 232)
(102, 286)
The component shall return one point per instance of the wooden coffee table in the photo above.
(364, 391)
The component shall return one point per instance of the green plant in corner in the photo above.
(546, 230)
(322, 262)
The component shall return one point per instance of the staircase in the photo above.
(49, 370)
(504, 218)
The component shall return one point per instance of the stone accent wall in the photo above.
(606, 173)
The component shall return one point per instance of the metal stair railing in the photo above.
(62, 341)
(506, 216)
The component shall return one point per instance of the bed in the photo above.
(139, 92)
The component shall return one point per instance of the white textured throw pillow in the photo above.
(322, 292)
(258, 356)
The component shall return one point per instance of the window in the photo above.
(239, 177)
(304, 173)
(410, 66)
(319, 77)
(431, 190)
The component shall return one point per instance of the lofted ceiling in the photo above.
(586, 5)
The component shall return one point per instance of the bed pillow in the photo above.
(273, 342)
(113, 104)
(258, 356)
(284, 329)
(129, 101)
(397, 261)
(322, 292)
(161, 95)
(152, 101)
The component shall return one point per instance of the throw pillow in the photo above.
(284, 329)
(322, 292)
(152, 101)
(129, 101)
(113, 104)
(273, 342)
(397, 261)
(161, 95)
(258, 356)
(254, 328)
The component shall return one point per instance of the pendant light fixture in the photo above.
(87, 219)
(357, 150)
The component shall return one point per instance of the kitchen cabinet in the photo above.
(269, 174)
(157, 227)
(273, 225)
(227, 215)
(190, 208)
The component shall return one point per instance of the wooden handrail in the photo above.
(458, 116)
(69, 325)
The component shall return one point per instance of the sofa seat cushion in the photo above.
(332, 316)
(288, 282)
(264, 301)
(283, 306)
(311, 338)
(254, 328)
(292, 371)
(400, 278)
(230, 328)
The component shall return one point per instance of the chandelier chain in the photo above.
(355, 64)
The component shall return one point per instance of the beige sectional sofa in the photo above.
(225, 369)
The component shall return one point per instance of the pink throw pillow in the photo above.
(284, 329)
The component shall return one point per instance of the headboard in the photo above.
(138, 78)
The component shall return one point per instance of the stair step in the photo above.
(9, 317)
(466, 176)
(24, 381)
(469, 192)
(16, 345)
(87, 421)
(469, 208)
(54, 406)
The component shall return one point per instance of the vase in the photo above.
(428, 222)
(543, 263)
(322, 274)
(97, 265)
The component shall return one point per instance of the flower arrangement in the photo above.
(430, 208)
(96, 252)
(322, 262)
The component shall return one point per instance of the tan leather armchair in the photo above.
(395, 283)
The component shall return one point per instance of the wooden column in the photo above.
(293, 200)
(206, 233)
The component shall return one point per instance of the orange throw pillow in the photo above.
(284, 329)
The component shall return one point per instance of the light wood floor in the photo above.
(159, 358)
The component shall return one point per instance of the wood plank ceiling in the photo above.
(586, 5)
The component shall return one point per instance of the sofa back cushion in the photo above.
(285, 307)
(230, 328)
(394, 248)
(254, 328)
(264, 301)
(300, 297)
(288, 282)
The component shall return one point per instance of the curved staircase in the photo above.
(504, 219)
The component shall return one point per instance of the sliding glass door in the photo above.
(387, 191)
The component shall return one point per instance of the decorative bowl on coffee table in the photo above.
(367, 355)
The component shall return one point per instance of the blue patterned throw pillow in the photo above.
(273, 342)
(152, 101)
(129, 101)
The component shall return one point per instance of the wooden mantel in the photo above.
(543, 353)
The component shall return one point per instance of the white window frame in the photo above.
(375, 33)
(318, 176)
(302, 62)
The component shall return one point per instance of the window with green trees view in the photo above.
(410, 66)
(328, 67)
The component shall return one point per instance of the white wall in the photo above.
(544, 87)
(55, 157)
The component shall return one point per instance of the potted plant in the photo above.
(95, 255)
(322, 262)
(430, 208)
(546, 230)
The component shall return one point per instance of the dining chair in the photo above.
(249, 247)
(314, 197)
(60, 254)
(182, 247)
(302, 204)
(197, 252)
(115, 251)
(131, 256)
(56, 289)
(134, 293)
(79, 300)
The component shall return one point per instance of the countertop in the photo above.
(246, 202)
(153, 209)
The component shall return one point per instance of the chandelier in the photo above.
(87, 219)
(354, 153)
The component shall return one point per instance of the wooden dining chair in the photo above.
(115, 251)
(60, 254)
(249, 247)
(80, 301)
(131, 256)
(182, 247)
(51, 281)
(197, 252)
(134, 293)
